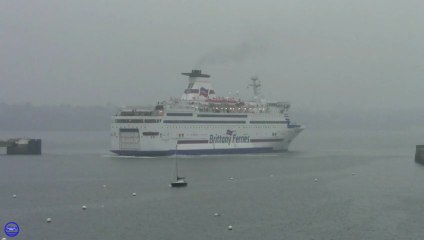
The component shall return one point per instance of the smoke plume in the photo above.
(229, 54)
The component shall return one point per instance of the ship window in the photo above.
(150, 133)
(129, 120)
(150, 120)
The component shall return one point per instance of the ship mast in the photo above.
(256, 87)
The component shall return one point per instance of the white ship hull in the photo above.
(159, 139)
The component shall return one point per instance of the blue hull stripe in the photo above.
(194, 152)
(204, 122)
(268, 140)
(203, 141)
(192, 141)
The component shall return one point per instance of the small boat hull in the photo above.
(179, 183)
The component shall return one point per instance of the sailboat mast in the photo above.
(179, 182)
(176, 162)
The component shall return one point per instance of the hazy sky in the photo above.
(326, 54)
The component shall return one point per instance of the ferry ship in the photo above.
(201, 123)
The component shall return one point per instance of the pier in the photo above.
(419, 154)
(17, 146)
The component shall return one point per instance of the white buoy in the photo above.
(104, 186)
(49, 220)
(134, 194)
(216, 214)
(14, 195)
(84, 207)
(316, 180)
(231, 178)
(230, 227)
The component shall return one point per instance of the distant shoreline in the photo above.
(26, 117)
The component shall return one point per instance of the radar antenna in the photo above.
(255, 85)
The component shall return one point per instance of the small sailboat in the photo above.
(180, 181)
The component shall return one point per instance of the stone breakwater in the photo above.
(419, 154)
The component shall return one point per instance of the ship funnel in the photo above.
(198, 89)
(196, 73)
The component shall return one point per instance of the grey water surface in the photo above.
(330, 185)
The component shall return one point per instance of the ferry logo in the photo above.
(11, 229)
(204, 92)
(228, 138)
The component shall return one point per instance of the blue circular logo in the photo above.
(11, 229)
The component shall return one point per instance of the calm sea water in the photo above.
(367, 187)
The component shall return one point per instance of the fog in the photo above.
(328, 55)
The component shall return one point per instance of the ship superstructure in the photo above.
(202, 123)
